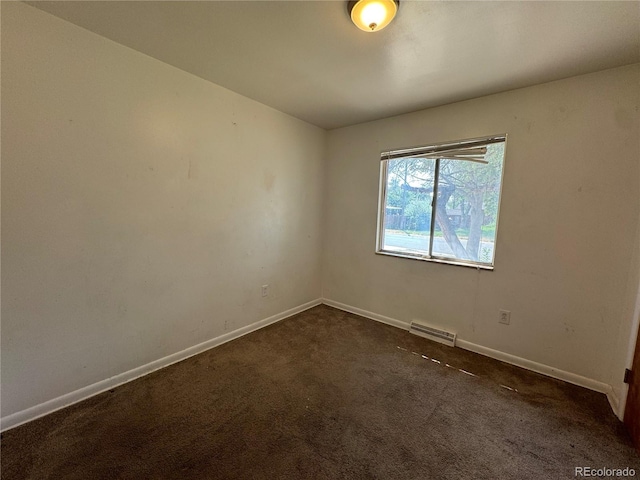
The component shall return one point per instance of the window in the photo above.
(440, 202)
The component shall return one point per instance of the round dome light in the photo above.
(372, 15)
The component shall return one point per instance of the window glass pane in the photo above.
(407, 215)
(467, 207)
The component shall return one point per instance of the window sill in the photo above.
(459, 263)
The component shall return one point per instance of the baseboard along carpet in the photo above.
(326, 394)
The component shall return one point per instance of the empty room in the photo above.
(373, 239)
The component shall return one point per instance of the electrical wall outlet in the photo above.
(505, 317)
(265, 290)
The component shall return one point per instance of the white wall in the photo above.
(569, 214)
(623, 353)
(143, 208)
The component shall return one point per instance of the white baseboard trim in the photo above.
(614, 402)
(536, 367)
(621, 398)
(364, 313)
(50, 406)
(489, 352)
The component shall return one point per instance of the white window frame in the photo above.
(431, 151)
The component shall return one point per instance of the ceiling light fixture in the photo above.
(372, 15)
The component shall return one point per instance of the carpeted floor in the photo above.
(326, 395)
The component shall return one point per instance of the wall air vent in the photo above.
(432, 333)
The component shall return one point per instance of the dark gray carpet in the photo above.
(326, 395)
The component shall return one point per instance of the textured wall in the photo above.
(568, 218)
(143, 208)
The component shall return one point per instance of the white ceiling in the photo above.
(307, 59)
